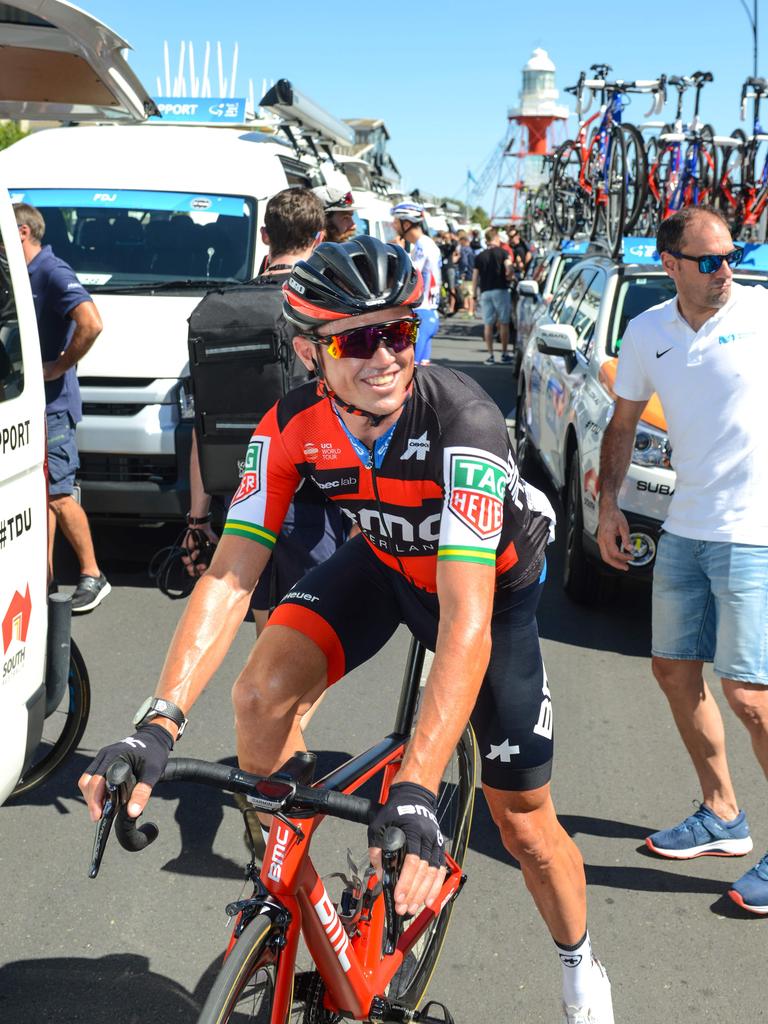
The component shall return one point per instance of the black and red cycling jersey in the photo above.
(442, 484)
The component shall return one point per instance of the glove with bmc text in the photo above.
(147, 752)
(411, 808)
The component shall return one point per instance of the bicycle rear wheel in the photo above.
(728, 194)
(63, 729)
(455, 800)
(637, 175)
(568, 202)
(244, 990)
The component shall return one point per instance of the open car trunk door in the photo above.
(58, 63)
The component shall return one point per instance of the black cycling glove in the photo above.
(411, 808)
(146, 751)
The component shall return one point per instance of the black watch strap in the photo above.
(159, 706)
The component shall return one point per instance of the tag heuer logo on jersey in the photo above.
(250, 482)
(418, 446)
(477, 482)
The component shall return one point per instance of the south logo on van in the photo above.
(14, 628)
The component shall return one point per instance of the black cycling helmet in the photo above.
(342, 279)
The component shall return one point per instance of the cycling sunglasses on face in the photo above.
(364, 342)
(712, 263)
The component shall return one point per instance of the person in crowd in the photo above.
(450, 251)
(409, 221)
(476, 240)
(704, 353)
(339, 210)
(294, 221)
(468, 589)
(466, 266)
(490, 281)
(68, 324)
(521, 253)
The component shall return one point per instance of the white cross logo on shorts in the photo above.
(503, 752)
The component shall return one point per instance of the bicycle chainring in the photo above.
(312, 990)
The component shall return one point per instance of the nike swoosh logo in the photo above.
(660, 354)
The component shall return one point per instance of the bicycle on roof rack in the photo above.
(742, 188)
(368, 962)
(682, 159)
(599, 179)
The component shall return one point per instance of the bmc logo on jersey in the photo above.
(477, 483)
(250, 482)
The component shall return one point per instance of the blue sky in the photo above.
(443, 75)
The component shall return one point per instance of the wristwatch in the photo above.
(156, 706)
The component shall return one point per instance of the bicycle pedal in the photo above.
(386, 1012)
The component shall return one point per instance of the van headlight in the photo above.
(651, 447)
(186, 401)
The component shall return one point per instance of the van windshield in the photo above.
(116, 239)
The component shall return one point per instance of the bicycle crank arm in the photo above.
(395, 1013)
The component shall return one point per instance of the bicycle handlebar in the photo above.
(270, 794)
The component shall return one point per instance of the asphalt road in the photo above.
(141, 943)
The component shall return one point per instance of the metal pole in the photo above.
(753, 22)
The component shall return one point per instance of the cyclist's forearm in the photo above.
(201, 641)
(461, 659)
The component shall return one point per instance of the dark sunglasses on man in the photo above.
(364, 342)
(711, 264)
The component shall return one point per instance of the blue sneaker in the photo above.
(751, 890)
(703, 834)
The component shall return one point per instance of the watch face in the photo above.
(139, 716)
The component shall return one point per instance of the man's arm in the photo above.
(88, 327)
(615, 455)
(465, 591)
(509, 268)
(475, 280)
(203, 636)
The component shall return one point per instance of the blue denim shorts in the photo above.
(710, 603)
(496, 306)
(63, 460)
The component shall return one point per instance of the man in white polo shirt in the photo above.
(706, 354)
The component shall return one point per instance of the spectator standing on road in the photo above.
(491, 278)
(466, 266)
(409, 223)
(68, 323)
(476, 241)
(450, 249)
(339, 208)
(705, 354)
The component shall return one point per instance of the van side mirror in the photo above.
(556, 339)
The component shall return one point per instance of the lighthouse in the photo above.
(531, 130)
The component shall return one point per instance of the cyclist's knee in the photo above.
(281, 671)
(526, 822)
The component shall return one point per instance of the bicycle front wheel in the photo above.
(244, 990)
(637, 174)
(63, 728)
(614, 197)
(455, 801)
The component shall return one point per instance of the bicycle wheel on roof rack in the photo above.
(728, 194)
(637, 175)
(569, 204)
(610, 194)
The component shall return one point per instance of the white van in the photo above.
(57, 62)
(150, 217)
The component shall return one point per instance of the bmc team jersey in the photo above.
(427, 260)
(442, 484)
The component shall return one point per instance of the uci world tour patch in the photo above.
(255, 457)
(477, 482)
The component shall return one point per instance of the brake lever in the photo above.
(392, 857)
(116, 792)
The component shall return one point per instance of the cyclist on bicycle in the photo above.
(452, 543)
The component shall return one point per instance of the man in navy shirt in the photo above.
(68, 323)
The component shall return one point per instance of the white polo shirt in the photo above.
(713, 385)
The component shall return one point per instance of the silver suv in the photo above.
(565, 401)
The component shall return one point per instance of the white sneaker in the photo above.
(599, 1010)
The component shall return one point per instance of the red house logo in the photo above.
(16, 619)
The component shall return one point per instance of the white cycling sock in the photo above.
(576, 962)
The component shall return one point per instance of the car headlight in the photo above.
(651, 447)
(186, 401)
